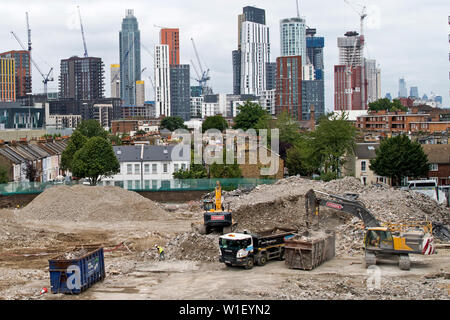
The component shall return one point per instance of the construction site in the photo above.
(128, 227)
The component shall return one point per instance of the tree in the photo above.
(141, 132)
(399, 157)
(115, 140)
(173, 123)
(302, 158)
(75, 143)
(333, 138)
(92, 128)
(85, 130)
(95, 159)
(30, 172)
(216, 122)
(3, 175)
(249, 115)
(386, 105)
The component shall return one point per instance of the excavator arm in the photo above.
(345, 204)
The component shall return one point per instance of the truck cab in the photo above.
(245, 249)
(236, 249)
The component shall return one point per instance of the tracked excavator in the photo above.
(381, 239)
(215, 217)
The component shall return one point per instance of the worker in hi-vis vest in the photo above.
(161, 251)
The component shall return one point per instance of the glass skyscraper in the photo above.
(130, 58)
(293, 38)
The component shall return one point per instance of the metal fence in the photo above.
(146, 185)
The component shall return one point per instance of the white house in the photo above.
(149, 167)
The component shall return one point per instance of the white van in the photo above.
(429, 188)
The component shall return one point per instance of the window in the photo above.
(154, 184)
(175, 167)
(129, 184)
(154, 168)
(146, 168)
(183, 166)
(137, 184)
(363, 165)
(137, 169)
(165, 168)
(146, 184)
(434, 167)
(129, 169)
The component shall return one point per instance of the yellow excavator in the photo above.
(215, 217)
(381, 239)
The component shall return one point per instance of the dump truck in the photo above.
(385, 240)
(247, 249)
(215, 217)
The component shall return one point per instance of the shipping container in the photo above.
(75, 271)
(309, 250)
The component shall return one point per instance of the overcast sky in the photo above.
(408, 38)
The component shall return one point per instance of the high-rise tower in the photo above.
(171, 37)
(130, 58)
(249, 60)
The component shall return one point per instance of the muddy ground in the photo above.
(134, 272)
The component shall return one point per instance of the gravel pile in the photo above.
(86, 203)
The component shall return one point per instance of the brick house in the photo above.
(439, 159)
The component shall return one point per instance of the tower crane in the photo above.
(203, 80)
(46, 78)
(29, 33)
(82, 34)
(360, 9)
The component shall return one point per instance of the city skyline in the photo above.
(60, 38)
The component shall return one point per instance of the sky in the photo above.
(408, 38)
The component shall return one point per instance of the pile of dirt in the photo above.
(80, 203)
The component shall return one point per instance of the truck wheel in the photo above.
(229, 264)
(226, 230)
(370, 259)
(262, 259)
(403, 262)
(282, 255)
(249, 264)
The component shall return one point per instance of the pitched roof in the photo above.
(366, 150)
(152, 153)
(437, 153)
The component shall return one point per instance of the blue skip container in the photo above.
(75, 271)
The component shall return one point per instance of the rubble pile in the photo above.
(348, 287)
(86, 203)
(193, 246)
(76, 254)
(283, 204)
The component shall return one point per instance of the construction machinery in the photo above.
(204, 77)
(46, 78)
(82, 34)
(381, 239)
(215, 217)
(247, 249)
